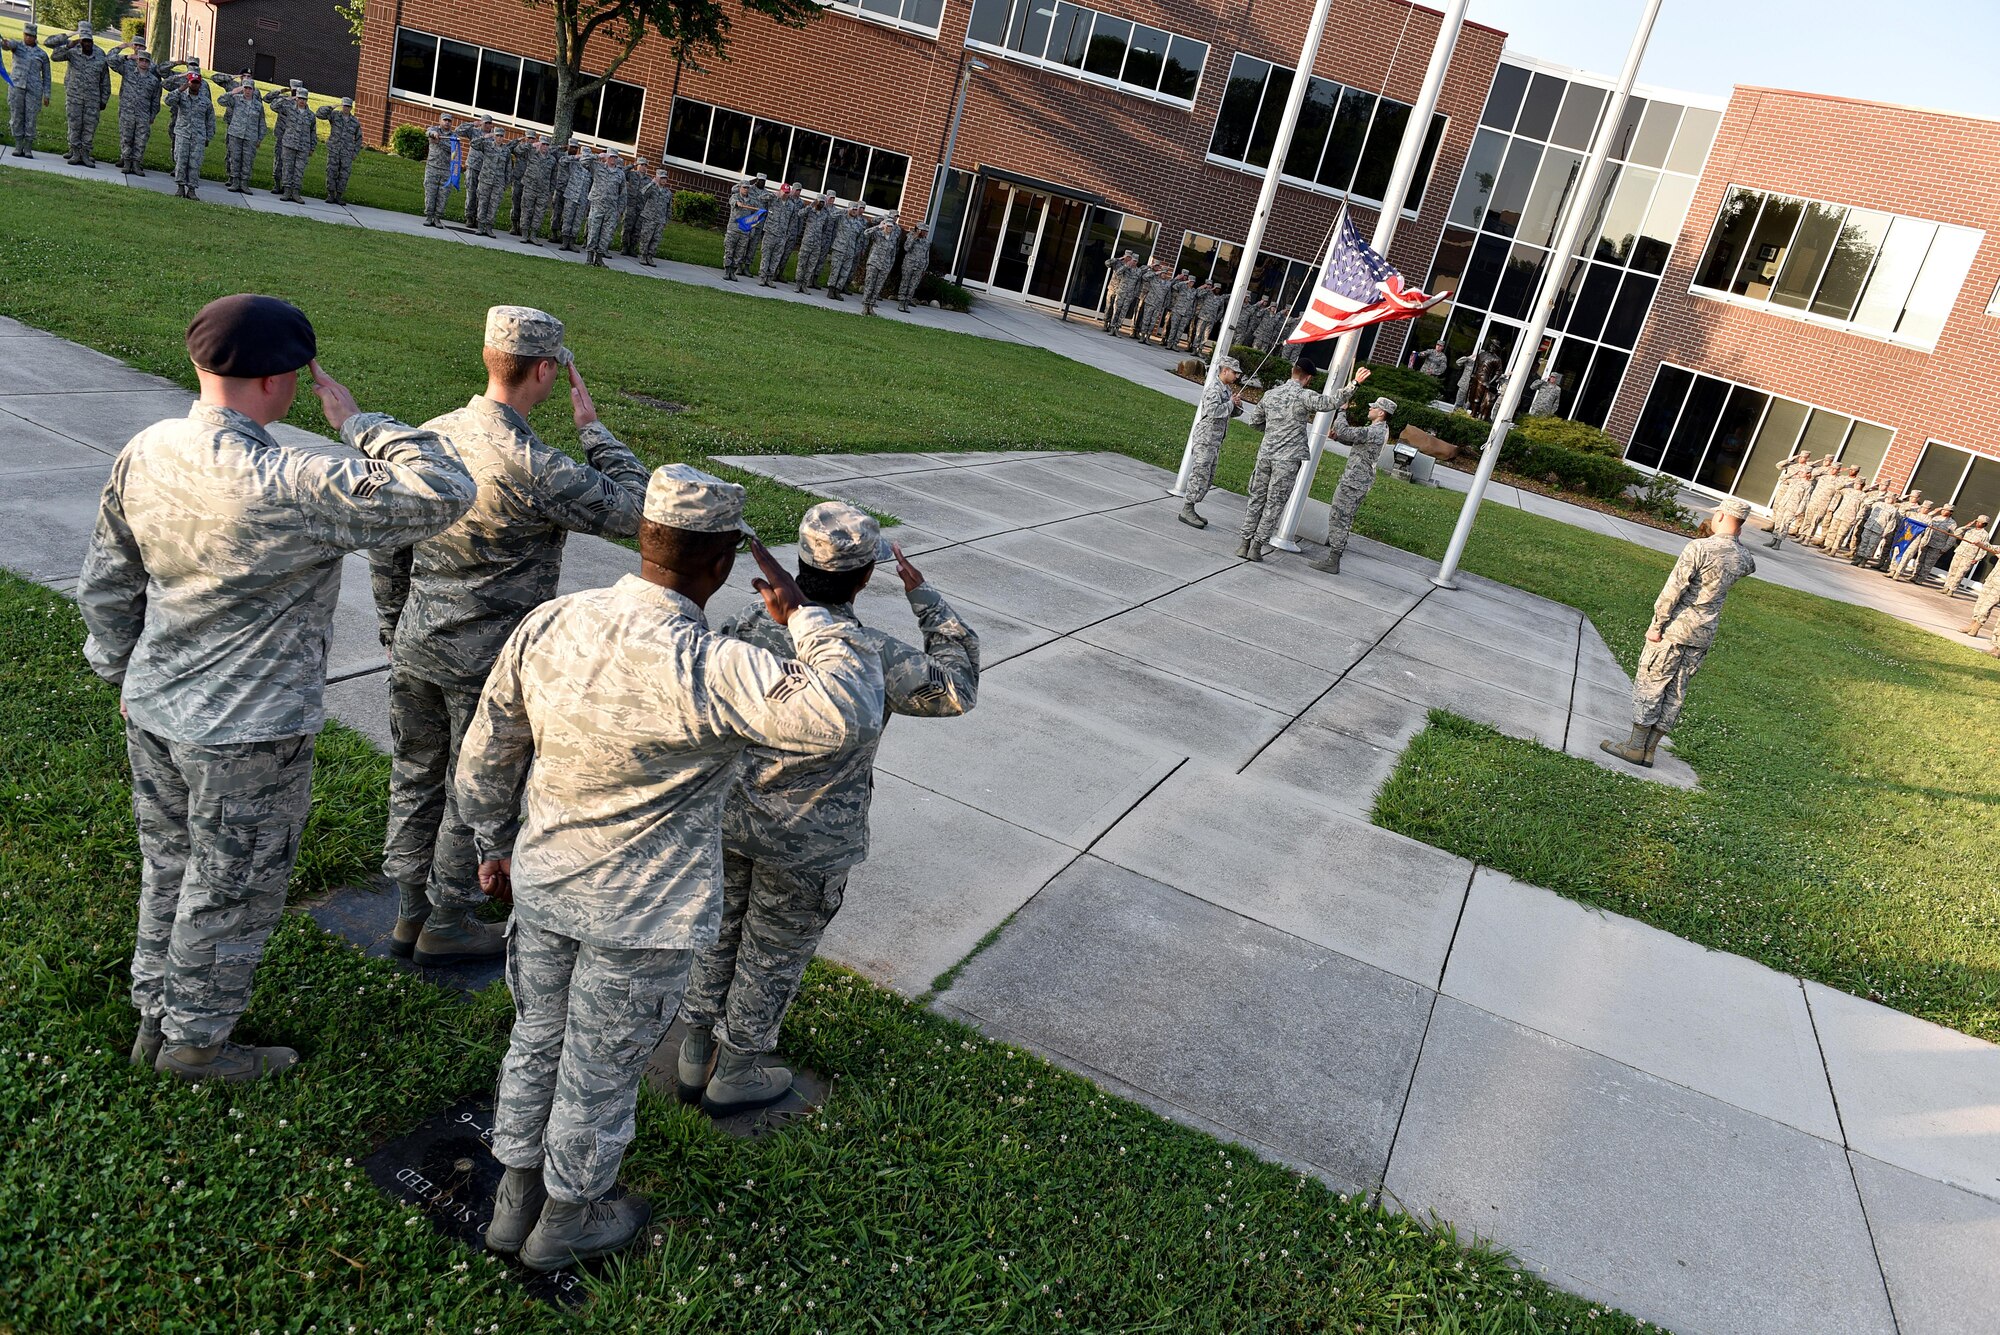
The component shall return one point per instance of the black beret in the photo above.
(248, 336)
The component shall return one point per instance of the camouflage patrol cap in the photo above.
(83, 30)
(525, 332)
(682, 496)
(29, 29)
(1733, 508)
(1230, 364)
(836, 536)
(1387, 405)
(346, 102)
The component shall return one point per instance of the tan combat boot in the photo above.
(1634, 750)
(566, 1234)
(517, 1207)
(453, 934)
(232, 1062)
(412, 908)
(695, 1064)
(740, 1085)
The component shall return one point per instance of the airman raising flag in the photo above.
(1359, 288)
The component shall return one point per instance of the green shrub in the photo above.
(1571, 470)
(63, 16)
(1570, 435)
(938, 288)
(1400, 383)
(410, 142)
(1662, 499)
(697, 208)
(130, 28)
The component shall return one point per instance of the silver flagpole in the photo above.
(1254, 242)
(1338, 373)
(1523, 361)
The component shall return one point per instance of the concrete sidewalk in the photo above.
(1162, 803)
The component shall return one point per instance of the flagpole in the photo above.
(1341, 368)
(1254, 242)
(1523, 361)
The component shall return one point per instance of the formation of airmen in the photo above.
(766, 228)
(671, 810)
(1480, 380)
(1826, 505)
(1156, 305)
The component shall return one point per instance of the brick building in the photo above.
(276, 41)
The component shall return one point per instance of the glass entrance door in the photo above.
(1023, 241)
(1020, 236)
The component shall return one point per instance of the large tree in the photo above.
(689, 29)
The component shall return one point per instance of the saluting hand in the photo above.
(579, 398)
(1361, 376)
(334, 399)
(912, 577)
(778, 589)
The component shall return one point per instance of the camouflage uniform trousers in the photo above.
(240, 152)
(628, 233)
(435, 191)
(872, 284)
(586, 1019)
(219, 831)
(24, 113)
(735, 248)
(908, 279)
(535, 209)
(135, 131)
(492, 185)
(82, 115)
(812, 256)
(1988, 599)
(1962, 560)
(1659, 687)
(775, 256)
(603, 222)
(472, 178)
(188, 153)
(1356, 480)
(428, 843)
(338, 167)
(649, 238)
(1270, 487)
(293, 186)
(840, 275)
(1177, 328)
(1201, 468)
(772, 920)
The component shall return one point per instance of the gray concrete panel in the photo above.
(1428, 684)
(1376, 716)
(1489, 661)
(49, 517)
(1342, 771)
(1188, 649)
(106, 421)
(1112, 575)
(1938, 1247)
(1034, 596)
(1112, 536)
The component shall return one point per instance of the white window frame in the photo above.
(722, 174)
(1002, 51)
(1311, 266)
(1971, 457)
(1695, 289)
(852, 10)
(466, 109)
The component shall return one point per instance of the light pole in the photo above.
(972, 67)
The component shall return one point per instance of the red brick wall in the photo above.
(894, 90)
(1928, 165)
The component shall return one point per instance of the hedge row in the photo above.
(1573, 470)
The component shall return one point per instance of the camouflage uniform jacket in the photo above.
(437, 155)
(658, 209)
(89, 71)
(883, 241)
(1211, 416)
(519, 154)
(817, 225)
(608, 739)
(445, 605)
(139, 90)
(1184, 298)
(343, 132)
(577, 182)
(848, 235)
(213, 573)
(810, 813)
(193, 115)
(1690, 604)
(1435, 363)
(1287, 413)
(32, 77)
(1209, 306)
(745, 201)
(782, 221)
(607, 189)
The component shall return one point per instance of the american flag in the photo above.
(1357, 289)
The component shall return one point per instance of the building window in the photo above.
(1345, 141)
(1731, 439)
(1857, 269)
(918, 15)
(1210, 259)
(1085, 44)
(1524, 167)
(732, 143)
(1968, 482)
(440, 72)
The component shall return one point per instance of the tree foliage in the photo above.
(63, 16)
(352, 12)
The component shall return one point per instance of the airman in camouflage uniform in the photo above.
(1131, 292)
(638, 184)
(781, 230)
(1115, 272)
(558, 179)
(794, 825)
(1364, 446)
(1156, 298)
(520, 154)
(86, 88)
(1794, 482)
(243, 129)
(816, 228)
(343, 146)
(1984, 605)
(748, 200)
(29, 91)
(1682, 629)
(208, 592)
(140, 87)
(1878, 529)
(654, 217)
(1824, 493)
(1220, 400)
(280, 102)
(437, 167)
(1546, 394)
(1436, 364)
(583, 169)
(194, 125)
(446, 605)
(1180, 314)
(916, 263)
(477, 140)
(1286, 415)
(884, 239)
(850, 238)
(607, 200)
(494, 166)
(1925, 550)
(1209, 305)
(1972, 540)
(594, 776)
(1843, 514)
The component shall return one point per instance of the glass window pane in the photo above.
(1732, 438)
(1769, 243)
(1309, 138)
(1896, 266)
(1454, 253)
(808, 163)
(1566, 295)
(1460, 335)
(1029, 31)
(1343, 144)
(1593, 301)
(1578, 119)
(1108, 40)
(1938, 472)
(1378, 155)
(1503, 100)
(886, 172)
(499, 83)
(1607, 372)
(1866, 446)
(1538, 109)
(1628, 127)
(1662, 227)
(1197, 255)
(416, 63)
(1729, 238)
(1618, 233)
(1482, 275)
(1697, 132)
(1571, 361)
(1240, 97)
(1697, 424)
(845, 169)
(1628, 313)
(458, 72)
(538, 93)
(769, 144)
(1510, 194)
(1069, 35)
(1140, 235)
(886, 8)
(1093, 260)
(586, 112)
(1520, 281)
(1853, 254)
(1979, 494)
(1799, 278)
(1593, 220)
(729, 140)
(620, 121)
(1147, 57)
(1656, 135)
(1276, 89)
(989, 21)
(1824, 433)
(1656, 419)
(924, 13)
(1776, 439)
(1937, 285)
(1554, 184)
(687, 133)
(1426, 157)
(1185, 57)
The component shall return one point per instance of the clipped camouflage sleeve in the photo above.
(941, 680)
(498, 747)
(1334, 402)
(1669, 600)
(825, 700)
(407, 488)
(111, 591)
(389, 581)
(604, 496)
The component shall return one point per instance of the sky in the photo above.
(1928, 53)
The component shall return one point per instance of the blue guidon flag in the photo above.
(1911, 530)
(1358, 289)
(457, 158)
(748, 222)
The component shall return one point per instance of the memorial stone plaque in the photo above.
(808, 1092)
(366, 916)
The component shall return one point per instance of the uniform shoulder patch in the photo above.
(789, 685)
(373, 480)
